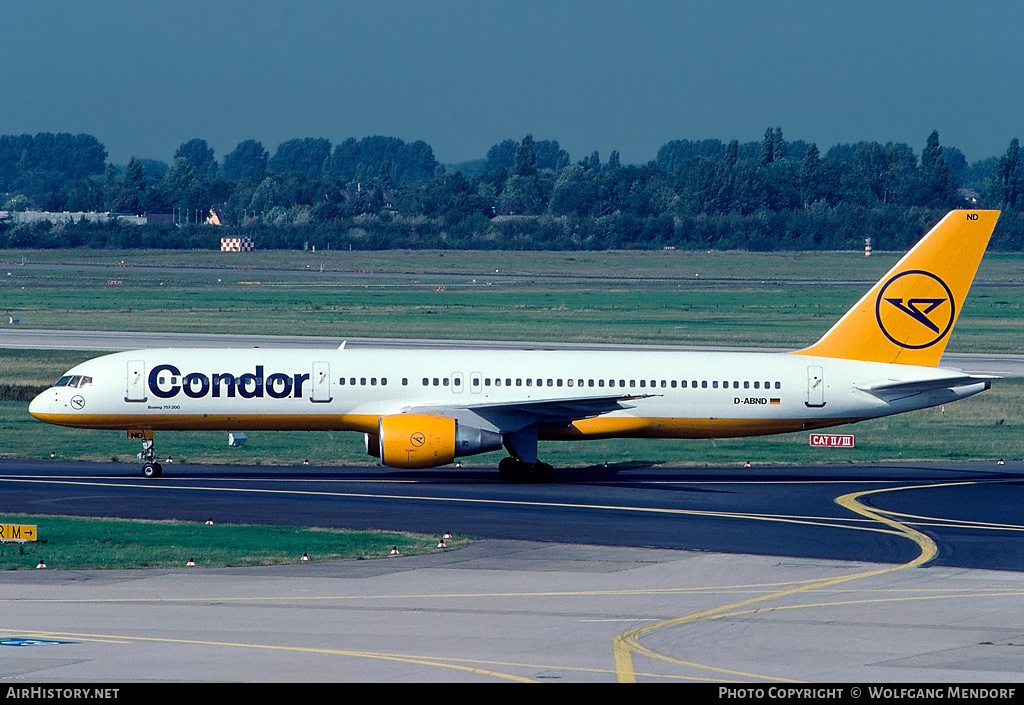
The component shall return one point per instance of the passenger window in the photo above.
(529, 382)
(600, 383)
(436, 381)
(714, 384)
(704, 384)
(405, 381)
(746, 385)
(362, 381)
(643, 383)
(373, 381)
(778, 385)
(426, 382)
(341, 382)
(444, 382)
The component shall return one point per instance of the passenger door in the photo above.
(815, 386)
(321, 382)
(135, 387)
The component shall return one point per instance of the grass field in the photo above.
(739, 299)
(71, 543)
(743, 301)
(625, 264)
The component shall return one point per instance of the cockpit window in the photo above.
(76, 381)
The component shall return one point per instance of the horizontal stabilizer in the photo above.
(889, 391)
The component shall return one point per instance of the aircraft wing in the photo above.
(893, 390)
(512, 416)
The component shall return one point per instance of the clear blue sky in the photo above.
(463, 75)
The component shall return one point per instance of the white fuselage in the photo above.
(677, 394)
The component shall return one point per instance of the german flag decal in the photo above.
(774, 400)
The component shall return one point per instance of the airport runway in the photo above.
(970, 508)
(865, 574)
(115, 341)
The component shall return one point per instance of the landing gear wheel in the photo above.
(508, 469)
(512, 470)
(542, 472)
(152, 470)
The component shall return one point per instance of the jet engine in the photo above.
(426, 440)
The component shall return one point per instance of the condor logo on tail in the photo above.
(915, 309)
(909, 313)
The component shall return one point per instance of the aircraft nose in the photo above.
(41, 404)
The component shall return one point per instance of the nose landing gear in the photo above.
(150, 468)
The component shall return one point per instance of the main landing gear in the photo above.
(150, 468)
(523, 466)
(514, 470)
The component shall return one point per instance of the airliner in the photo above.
(425, 408)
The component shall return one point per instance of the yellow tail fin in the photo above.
(907, 316)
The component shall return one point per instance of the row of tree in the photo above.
(381, 192)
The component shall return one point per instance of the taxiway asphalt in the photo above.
(867, 574)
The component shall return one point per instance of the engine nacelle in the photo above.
(426, 440)
(372, 443)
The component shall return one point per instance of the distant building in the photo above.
(969, 195)
(30, 217)
(367, 194)
(64, 217)
(218, 216)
